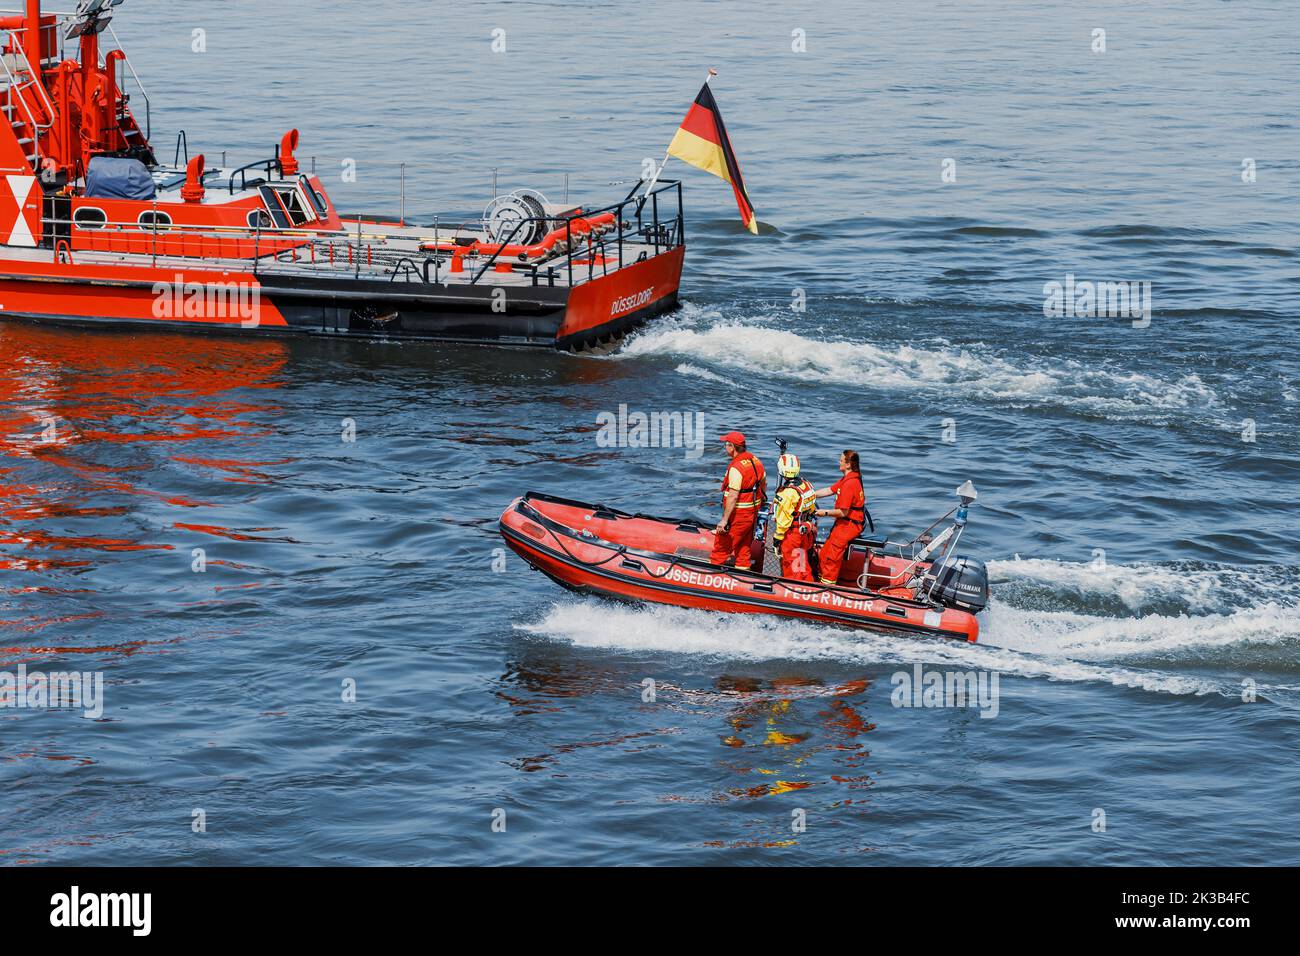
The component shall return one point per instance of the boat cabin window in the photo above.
(90, 217)
(318, 200)
(274, 207)
(259, 219)
(159, 221)
(295, 206)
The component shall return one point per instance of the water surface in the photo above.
(1143, 554)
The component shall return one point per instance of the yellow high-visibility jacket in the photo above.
(798, 498)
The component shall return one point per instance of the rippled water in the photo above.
(1144, 556)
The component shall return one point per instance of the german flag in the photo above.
(702, 141)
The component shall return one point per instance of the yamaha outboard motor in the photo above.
(962, 583)
(951, 580)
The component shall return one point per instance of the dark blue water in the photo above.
(1144, 555)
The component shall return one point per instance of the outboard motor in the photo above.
(962, 583)
(951, 580)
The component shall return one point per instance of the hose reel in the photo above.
(505, 213)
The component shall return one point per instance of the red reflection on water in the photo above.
(79, 413)
(28, 655)
(785, 729)
(245, 472)
(230, 533)
(36, 623)
(80, 761)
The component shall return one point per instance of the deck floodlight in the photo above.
(967, 493)
(91, 17)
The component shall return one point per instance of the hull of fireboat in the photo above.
(141, 296)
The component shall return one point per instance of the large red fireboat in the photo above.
(95, 231)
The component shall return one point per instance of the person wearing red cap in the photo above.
(849, 513)
(744, 488)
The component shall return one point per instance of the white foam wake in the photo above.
(694, 370)
(972, 372)
(598, 624)
(1223, 617)
(1194, 588)
(1170, 637)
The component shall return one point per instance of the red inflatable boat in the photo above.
(917, 587)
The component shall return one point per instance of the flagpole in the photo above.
(655, 178)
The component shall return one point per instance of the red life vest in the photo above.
(857, 513)
(751, 476)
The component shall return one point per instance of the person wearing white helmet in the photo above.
(795, 529)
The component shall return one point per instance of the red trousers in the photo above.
(833, 548)
(736, 540)
(794, 554)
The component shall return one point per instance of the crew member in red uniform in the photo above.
(849, 513)
(744, 489)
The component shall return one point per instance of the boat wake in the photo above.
(702, 339)
(1169, 588)
(1208, 648)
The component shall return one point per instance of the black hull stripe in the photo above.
(614, 329)
(234, 329)
(328, 289)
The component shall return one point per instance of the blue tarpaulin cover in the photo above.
(112, 178)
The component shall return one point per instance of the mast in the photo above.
(33, 41)
(64, 115)
(32, 45)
